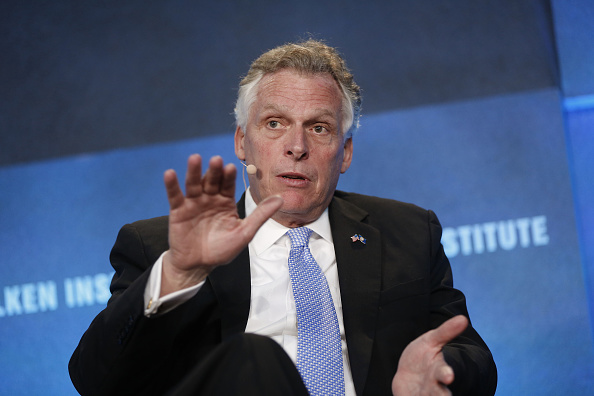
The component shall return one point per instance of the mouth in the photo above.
(293, 176)
(294, 179)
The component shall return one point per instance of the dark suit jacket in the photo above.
(394, 288)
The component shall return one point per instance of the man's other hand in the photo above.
(422, 369)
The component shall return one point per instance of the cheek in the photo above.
(329, 168)
(266, 152)
(259, 151)
(335, 160)
(268, 159)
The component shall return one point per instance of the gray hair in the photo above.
(310, 56)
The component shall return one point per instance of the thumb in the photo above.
(448, 330)
(263, 212)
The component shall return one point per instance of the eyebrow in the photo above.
(320, 112)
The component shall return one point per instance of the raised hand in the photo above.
(205, 230)
(422, 369)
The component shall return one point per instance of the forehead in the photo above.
(290, 90)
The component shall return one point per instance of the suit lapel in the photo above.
(359, 273)
(232, 287)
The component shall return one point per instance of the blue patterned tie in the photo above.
(319, 349)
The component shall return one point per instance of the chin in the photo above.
(296, 200)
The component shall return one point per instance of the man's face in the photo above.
(294, 137)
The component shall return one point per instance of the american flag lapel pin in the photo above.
(359, 238)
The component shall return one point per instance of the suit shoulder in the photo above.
(373, 205)
(154, 224)
(152, 234)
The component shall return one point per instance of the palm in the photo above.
(205, 230)
(422, 369)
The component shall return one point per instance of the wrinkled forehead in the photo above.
(294, 77)
(298, 91)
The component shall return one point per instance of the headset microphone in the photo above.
(250, 169)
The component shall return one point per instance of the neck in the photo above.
(292, 220)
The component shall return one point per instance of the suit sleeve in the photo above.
(474, 368)
(123, 352)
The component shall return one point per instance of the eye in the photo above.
(319, 129)
(273, 124)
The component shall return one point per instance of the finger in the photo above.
(211, 183)
(448, 330)
(445, 391)
(444, 373)
(263, 212)
(193, 176)
(228, 183)
(175, 195)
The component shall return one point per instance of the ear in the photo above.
(239, 151)
(348, 155)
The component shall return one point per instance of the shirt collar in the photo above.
(271, 231)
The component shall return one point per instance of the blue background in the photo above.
(482, 111)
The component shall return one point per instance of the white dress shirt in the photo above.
(272, 308)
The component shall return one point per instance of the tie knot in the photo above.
(299, 236)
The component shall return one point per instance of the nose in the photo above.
(297, 145)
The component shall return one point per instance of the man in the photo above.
(395, 323)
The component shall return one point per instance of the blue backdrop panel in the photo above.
(494, 170)
(59, 220)
(575, 48)
(580, 132)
